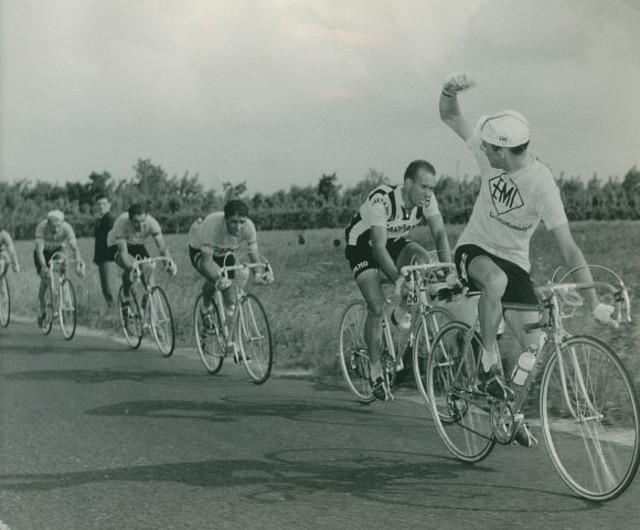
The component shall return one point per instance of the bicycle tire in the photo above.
(161, 321)
(5, 302)
(47, 322)
(463, 426)
(352, 351)
(209, 338)
(434, 320)
(67, 309)
(132, 323)
(592, 432)
(254, 334)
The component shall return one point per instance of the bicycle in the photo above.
(60, 296)
(249, 336)
(148, 311)
(427, 320)
(589, 413)
(5, 295)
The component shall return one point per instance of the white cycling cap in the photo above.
(507, 128)
(55, 215)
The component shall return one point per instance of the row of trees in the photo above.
(177, 201)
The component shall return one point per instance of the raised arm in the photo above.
(449, 106)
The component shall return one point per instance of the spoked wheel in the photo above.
(67, 309)
(5, 302)
(130, 319)
(209, 336)
(590, 419)
(47, 322)
(161, 321)
(434, 320)
(254, 336)
(464, 427)
(354, 358)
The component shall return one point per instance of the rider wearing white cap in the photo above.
(492, 255)
(52, 235)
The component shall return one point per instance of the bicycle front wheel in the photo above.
(5, 302)
(590, 419)
(255, 339)
(161, 321)
(47, 322)
(67, 309)
(209, 336)
(353, 354)
(130, 319)
(433, 321)
(456, 408)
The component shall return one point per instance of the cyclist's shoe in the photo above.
(380, 390)
(493, 383)
(523, 435)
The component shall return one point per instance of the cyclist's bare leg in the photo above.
(125, 262)
(519, 322)
(369, 283)
(44, 285)
(492, 282)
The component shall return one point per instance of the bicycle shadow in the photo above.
(417, 481)
(103, 376)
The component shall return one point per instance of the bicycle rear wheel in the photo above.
(461, 422)
(209, 336)
(161, 321)
(591, 423)
(433, 321)
(67, 309)
(5, 301)
(353, 355)
(255, 339)
(47, 322)
(130, 319)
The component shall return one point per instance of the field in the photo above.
(313, 284)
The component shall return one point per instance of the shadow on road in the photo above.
(398, 478)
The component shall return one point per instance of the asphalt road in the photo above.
(96, 436)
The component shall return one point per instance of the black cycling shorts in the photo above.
(361, 258)
(519, 289)
(139, 251)
(195, 255)
(48, 254)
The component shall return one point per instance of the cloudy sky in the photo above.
(280, 92)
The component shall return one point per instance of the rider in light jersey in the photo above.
(52, 235)
(127, 238)
(213, 243)
(377, 242)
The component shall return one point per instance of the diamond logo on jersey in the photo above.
(504, 194)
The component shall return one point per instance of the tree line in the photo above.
(177, 201)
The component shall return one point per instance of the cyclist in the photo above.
(8, 254)
(492, 254)
(213, 242)
(126, 241)
(52, 235)
(377, 242)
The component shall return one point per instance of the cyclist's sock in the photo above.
(376, 371)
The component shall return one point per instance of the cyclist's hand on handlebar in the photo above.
(16, 267)
(172, 268)
(223, 283)
(404, 286)
(457, 82)
(603, 313)
(264, 278)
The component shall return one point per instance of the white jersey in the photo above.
(510, 207)
(124, 229)
(211, 236)
(385, 207)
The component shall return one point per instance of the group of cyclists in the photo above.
(492, 254)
